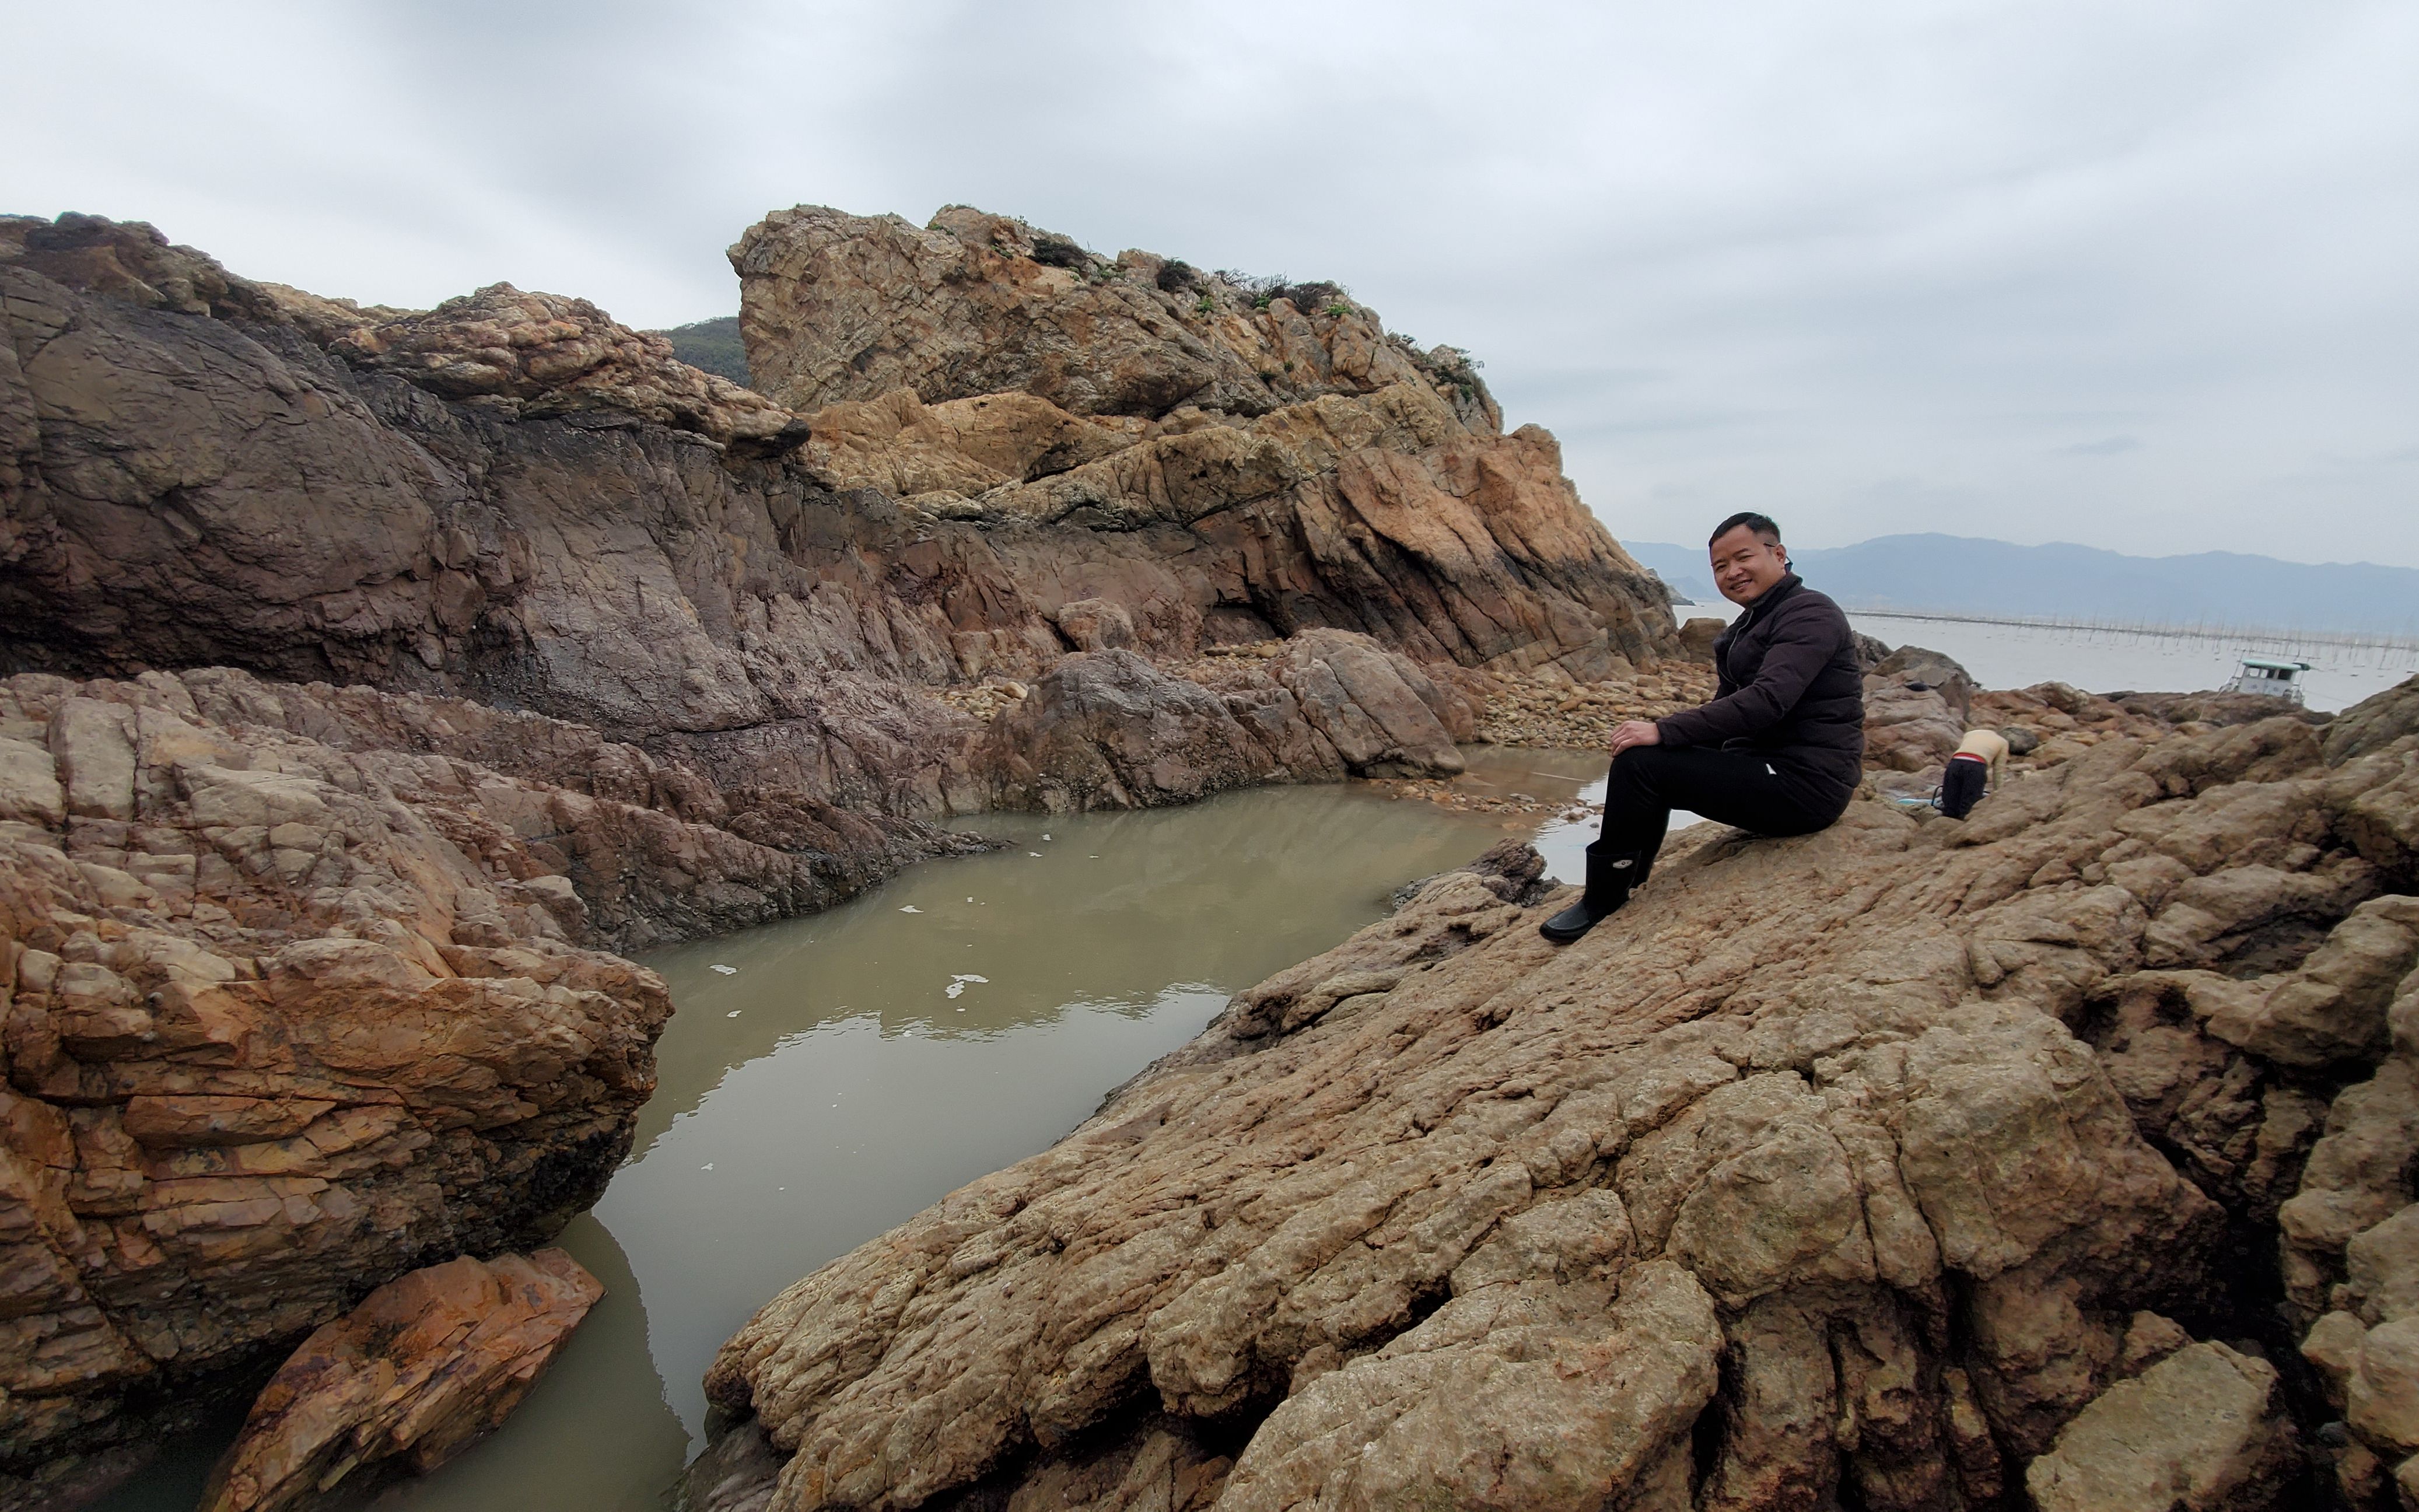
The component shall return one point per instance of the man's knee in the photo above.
(1644, 762)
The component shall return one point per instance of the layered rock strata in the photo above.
(1914, 1162)
(284, 1019)
(423, 1367)
(514, 499)
(991, 372)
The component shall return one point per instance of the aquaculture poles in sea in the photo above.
(2322, 648)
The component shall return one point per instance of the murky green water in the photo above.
(833, 1082)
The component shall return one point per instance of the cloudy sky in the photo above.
(2141, 274)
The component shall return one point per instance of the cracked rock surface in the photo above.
(287, 1013)
(1909, 1162)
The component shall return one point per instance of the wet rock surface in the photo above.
(423, 1367)
(1917, 1160)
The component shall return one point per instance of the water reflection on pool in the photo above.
(853, 1067)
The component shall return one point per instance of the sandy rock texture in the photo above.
(543, 354)
(423, 1368)
(2352, 1232)
(1914, 1163)
(848, 307)
(293, 1001)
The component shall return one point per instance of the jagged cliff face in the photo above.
(837, 307)
(1321, 472)
(514, 499)
(1913, 1164)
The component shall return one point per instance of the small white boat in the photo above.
(2269, 678)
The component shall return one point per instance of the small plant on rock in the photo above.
(1052, 250)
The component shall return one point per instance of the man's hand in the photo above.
(1635, 732)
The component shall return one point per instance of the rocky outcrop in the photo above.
(2202, 1429)
(1841, 1165)
(287, 1013)
(1917, 703)
(839, 307)
(2374, 723)
(543, 354)
(380, 664)
(515, 501)
(421, 1370)
(994, 372)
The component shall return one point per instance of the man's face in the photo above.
(1746, 565)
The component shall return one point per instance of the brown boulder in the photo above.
(1907, 728)
(2374, 723)
(1698, 636)
(1916, 666)
(425, 1367)
(1383, 716)
(1107, 730)
(1916, 705)
(2202, 1429)
(1096, 624)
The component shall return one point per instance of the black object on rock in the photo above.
(1610, 874)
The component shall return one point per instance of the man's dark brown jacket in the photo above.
(1789, 686)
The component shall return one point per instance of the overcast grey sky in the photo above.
(2140, 275)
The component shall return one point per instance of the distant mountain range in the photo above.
(1961, 575)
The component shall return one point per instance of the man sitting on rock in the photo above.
(1778, 751)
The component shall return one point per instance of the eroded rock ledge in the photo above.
(1901, 1163)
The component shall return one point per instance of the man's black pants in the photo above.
(1962, 786)
(1746, 788)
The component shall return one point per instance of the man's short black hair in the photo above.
(1761, 524)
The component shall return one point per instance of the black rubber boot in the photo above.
(1610, 874)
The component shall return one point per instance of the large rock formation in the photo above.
(284, 1018)
(836, 306)
(1336, 476)
(513, 499)
(1900, 1164)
